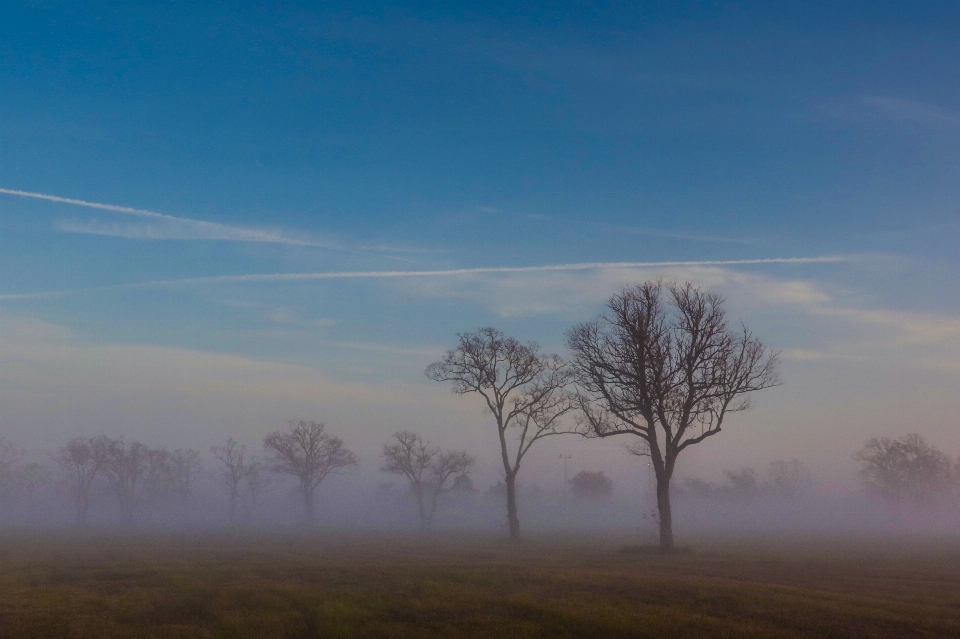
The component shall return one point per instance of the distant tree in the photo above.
(10, 456)
(234, 469)
(426, 467)
(29, 477)
(742, 482)
(523, 389)
(256, 482)
(699, 488)
(309, 453)
(790, 478)
(83, 459)
(184, 467)
(134, 470)
(463, 485)
(588, 485)
(904, 468)
(668, 369)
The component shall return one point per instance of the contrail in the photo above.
(332, 275)
(183, 227)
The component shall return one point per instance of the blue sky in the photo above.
(283, 138)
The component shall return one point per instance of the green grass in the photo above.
(458, 585)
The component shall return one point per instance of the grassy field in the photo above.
(459, 585)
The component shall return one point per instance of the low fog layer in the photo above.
(773, 497)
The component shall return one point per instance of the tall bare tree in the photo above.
(665, 366)
(83, 459)
(426, 467)
(904, 468)
(523, 389)
(233, 471)
(134, 470)
(309, 453)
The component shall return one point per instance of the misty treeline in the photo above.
(662, 369)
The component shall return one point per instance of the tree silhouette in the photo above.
(667, 369)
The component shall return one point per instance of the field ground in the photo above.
(465, 585)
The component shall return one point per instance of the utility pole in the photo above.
(565, 458)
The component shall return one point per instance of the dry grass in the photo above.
(298, 585)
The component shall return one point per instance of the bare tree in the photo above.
(907, 467)
(790, 478)
(667, 371)
(742, 482)
(426, 467)
(29, 477)
(9, 456)
(256, 482)
(309, 453)
(234, 469)
(184, 467)
(83, 459)
(523, 389)
(591, 485)
(134, 470)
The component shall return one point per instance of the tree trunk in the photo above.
(307, 507)
(424, 519)
(233, 506)
(512, 519)
(82, 511)
(666, 517)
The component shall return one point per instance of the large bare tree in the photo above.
(309, 453)
(83, 459)
(426, 467)
(523, 389)
(664, 365)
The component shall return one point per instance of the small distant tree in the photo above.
(134, 470)
(83, 459)
(904, 468)
(184, 468)
(256, 482)
(525, 391)
(742, 482)
(10, 455)
(591, 486)
(29, 477)
(234, 469)
(666, 367)
(790, 478)
(309, 453)
(426, 467)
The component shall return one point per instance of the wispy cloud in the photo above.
(878, 109)
(694, 237)
(332, 275)
(160, 226)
